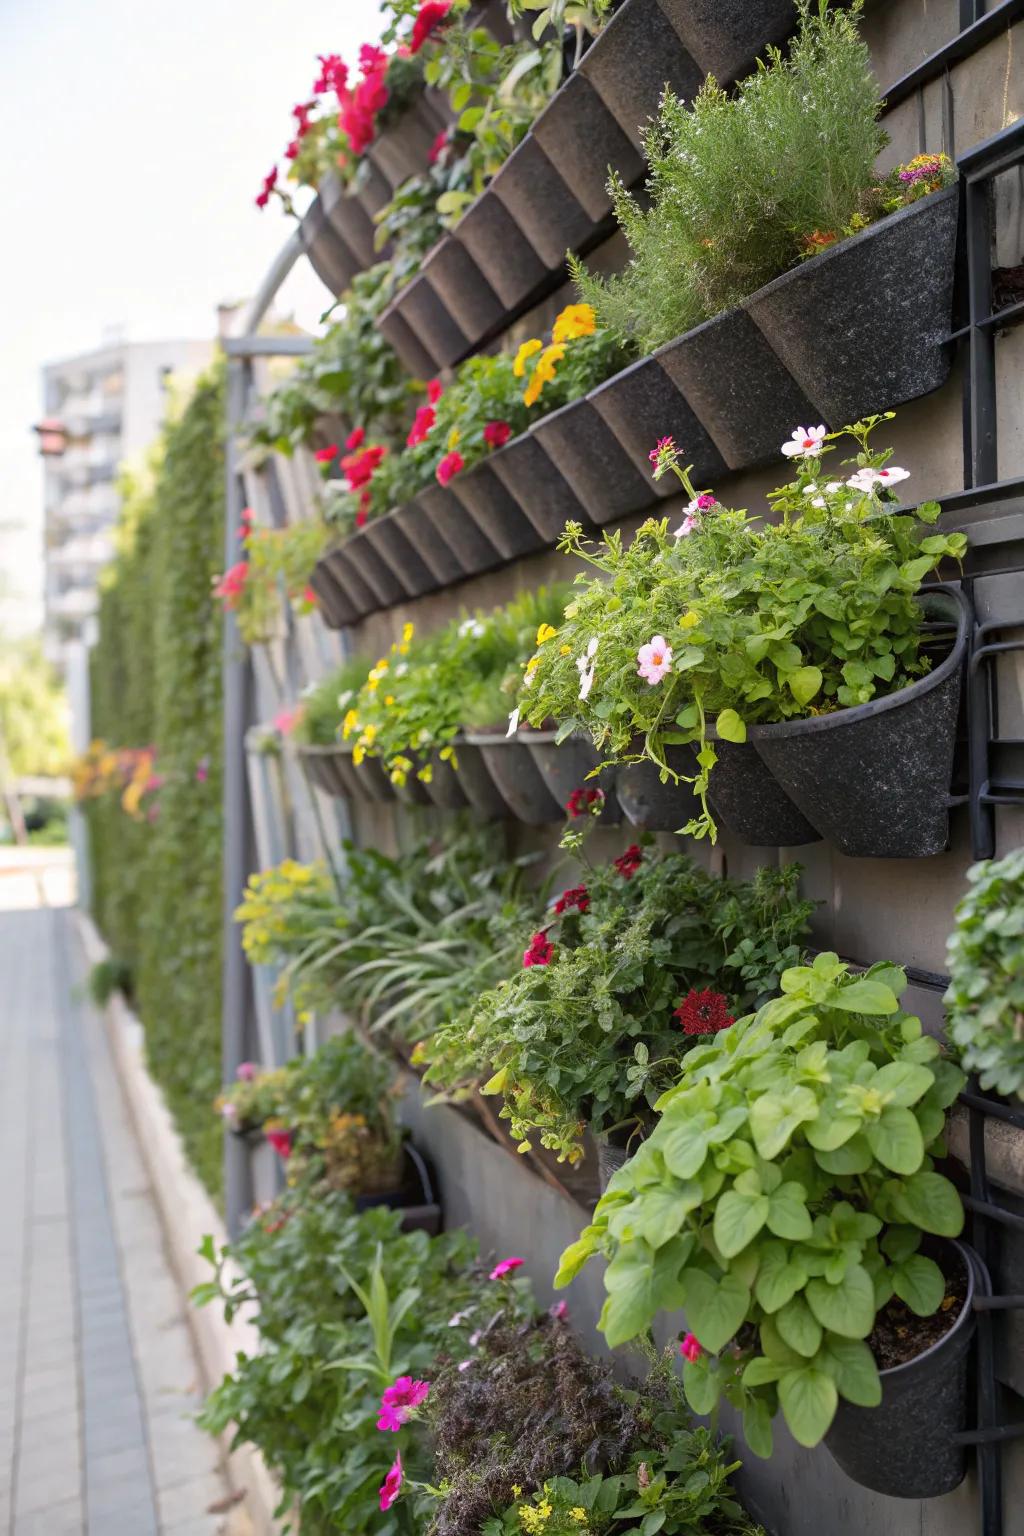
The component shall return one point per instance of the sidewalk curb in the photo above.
(187, 1214)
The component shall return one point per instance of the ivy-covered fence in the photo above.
(156, 682)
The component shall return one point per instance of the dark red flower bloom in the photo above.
(362, 517)
(451, 465)
(355, 439)
(497, 433)
(629, 862)
(575, 896)
(539, 951)
(422, 425)
(585, 802)
(280, 1138)
(292, 152)
(269, 182)
(703, 1013)
(326, 455)
(359, 468)
(430, 15)
(435, 389)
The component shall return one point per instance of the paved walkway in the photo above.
(98, 1380)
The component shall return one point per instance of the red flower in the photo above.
(585, 802)
(435, 389)
(291, 153)
(629, 862)
(280, 1138)
(269, 182)
(690, 1348)
(703, 1013)
(423, 423)
(325, 455)
(430, 15)
(372, 60)
(450, 465)
(301, 116)
(497, 433)
(539, 951)
(360, 468)
(575, 896)
(362, 517)
(333, 74)
(438, 147)
(355, 439)
(309, 597)
(232, 584)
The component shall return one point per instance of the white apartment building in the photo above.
(98, 409)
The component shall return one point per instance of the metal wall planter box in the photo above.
(379, 578)
(407, 344)
(744, 797)
(445, 787)
(517, 776)
(496, 512)
(425, 312)
(336, 607)
(349, 581)
(478, 786)
(542, 204)
(863, 326)
(403, 149)
(458, 530)
(875, 779)
(501, 251)
(349, 219)
(907, 1446)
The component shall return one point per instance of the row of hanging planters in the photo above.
(799, 682)
(728, 391)
(855, 1323)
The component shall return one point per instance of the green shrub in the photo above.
(986, 967)
(156, 681)
(736, 181)
(107, 977)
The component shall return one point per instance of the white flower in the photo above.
(471, 627)
(587, 667)
(805, 442)
(866, 480)
(513, 722)
(401, 669)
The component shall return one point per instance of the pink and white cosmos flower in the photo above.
(655, 660)
(805, 442)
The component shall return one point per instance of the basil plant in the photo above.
(782, 1198)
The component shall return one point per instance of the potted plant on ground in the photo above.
(633, 965)
(784, 1200)
(779, 672)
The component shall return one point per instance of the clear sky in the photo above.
(136, 136)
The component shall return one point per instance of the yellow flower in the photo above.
(544, 372)
(545, 632)
(369, 735)
(426, 773)
(578, 1514)
(454, 439)
(575, 320)
(525, 352)
(408, 630)
(358, 753)
(565, 650)
(689, 620)
(517, 1492)
(389, 699)
(372, 683)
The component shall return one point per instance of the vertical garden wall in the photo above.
(156, 690)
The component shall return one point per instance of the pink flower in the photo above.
(686, 527)
(327, 455)
(539, 951)
(269, 182)
(360, 467)
(333, 74)
(202, 770)
(280, 1138)
(422, 425)
(655, 660)
(231, 585)
(690, 1348)
(497, 433)
(355, 439)
(246, 1071)
(438, 147)
(292, 152)
(664, 445)
(430, 15)
(286, 720)
(399, 1401)
(392, 1483)
(451, 465)
(435, 389)
(805, 443)
(559, 1310)
(505, 1268)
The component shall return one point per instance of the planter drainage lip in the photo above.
(888, 1449)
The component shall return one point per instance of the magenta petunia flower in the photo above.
(505, 1268)
(392, 1484)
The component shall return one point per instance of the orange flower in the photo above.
(575, 320)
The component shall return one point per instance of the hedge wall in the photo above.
(156, 680)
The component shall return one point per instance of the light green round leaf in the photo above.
(804, 683)
(730, 727)
(685, 1147)
(757, 1427)
(903, 1083)
(895, 1139)
(659, 1213)
(715, 1309)
(778, 1278)
(866, 996)
(761, 1371)
(809, 1399)
(930, 1202)
(775, 1116)
(847, 1308)
(854, 1156)
(798, 1328)
(788, 1215)
(701, 1385)
(920, 1283)
(856, 1373)
(831, 1130)
(738, 1219)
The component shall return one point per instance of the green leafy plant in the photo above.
(276, 569)
(735, 620)
(324, 704)
(633, 967)
(742, 185)
(107, 977)
(782, 1199)
(985, 956)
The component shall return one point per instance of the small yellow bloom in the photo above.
(575, 320)
(426, 773)
(578, 1514)
(389, 699)
(408, 630)
(372, 683)
(565, 650)
(454, 439)
(544, 372)
(381, 666)
(689, 620)
(525, 352)
(545, 632)
(517, 1492)
(349, 724)
(369, 735)
(358, 753)
(398, 777)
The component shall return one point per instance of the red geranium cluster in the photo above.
(576, 896)
(231, 585)
(497, 434)
(585, 802)
(269, 182)
(703, 1013)
(538, 951)
(451, 465)
(629, 862)
(430, 15)
(359, 107)
(422, 425)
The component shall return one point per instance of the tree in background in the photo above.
(33, 713)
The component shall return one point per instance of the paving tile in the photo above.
(48, 1485)
(190, 1500)
(58, 1520)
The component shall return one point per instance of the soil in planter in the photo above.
(899, 1335)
